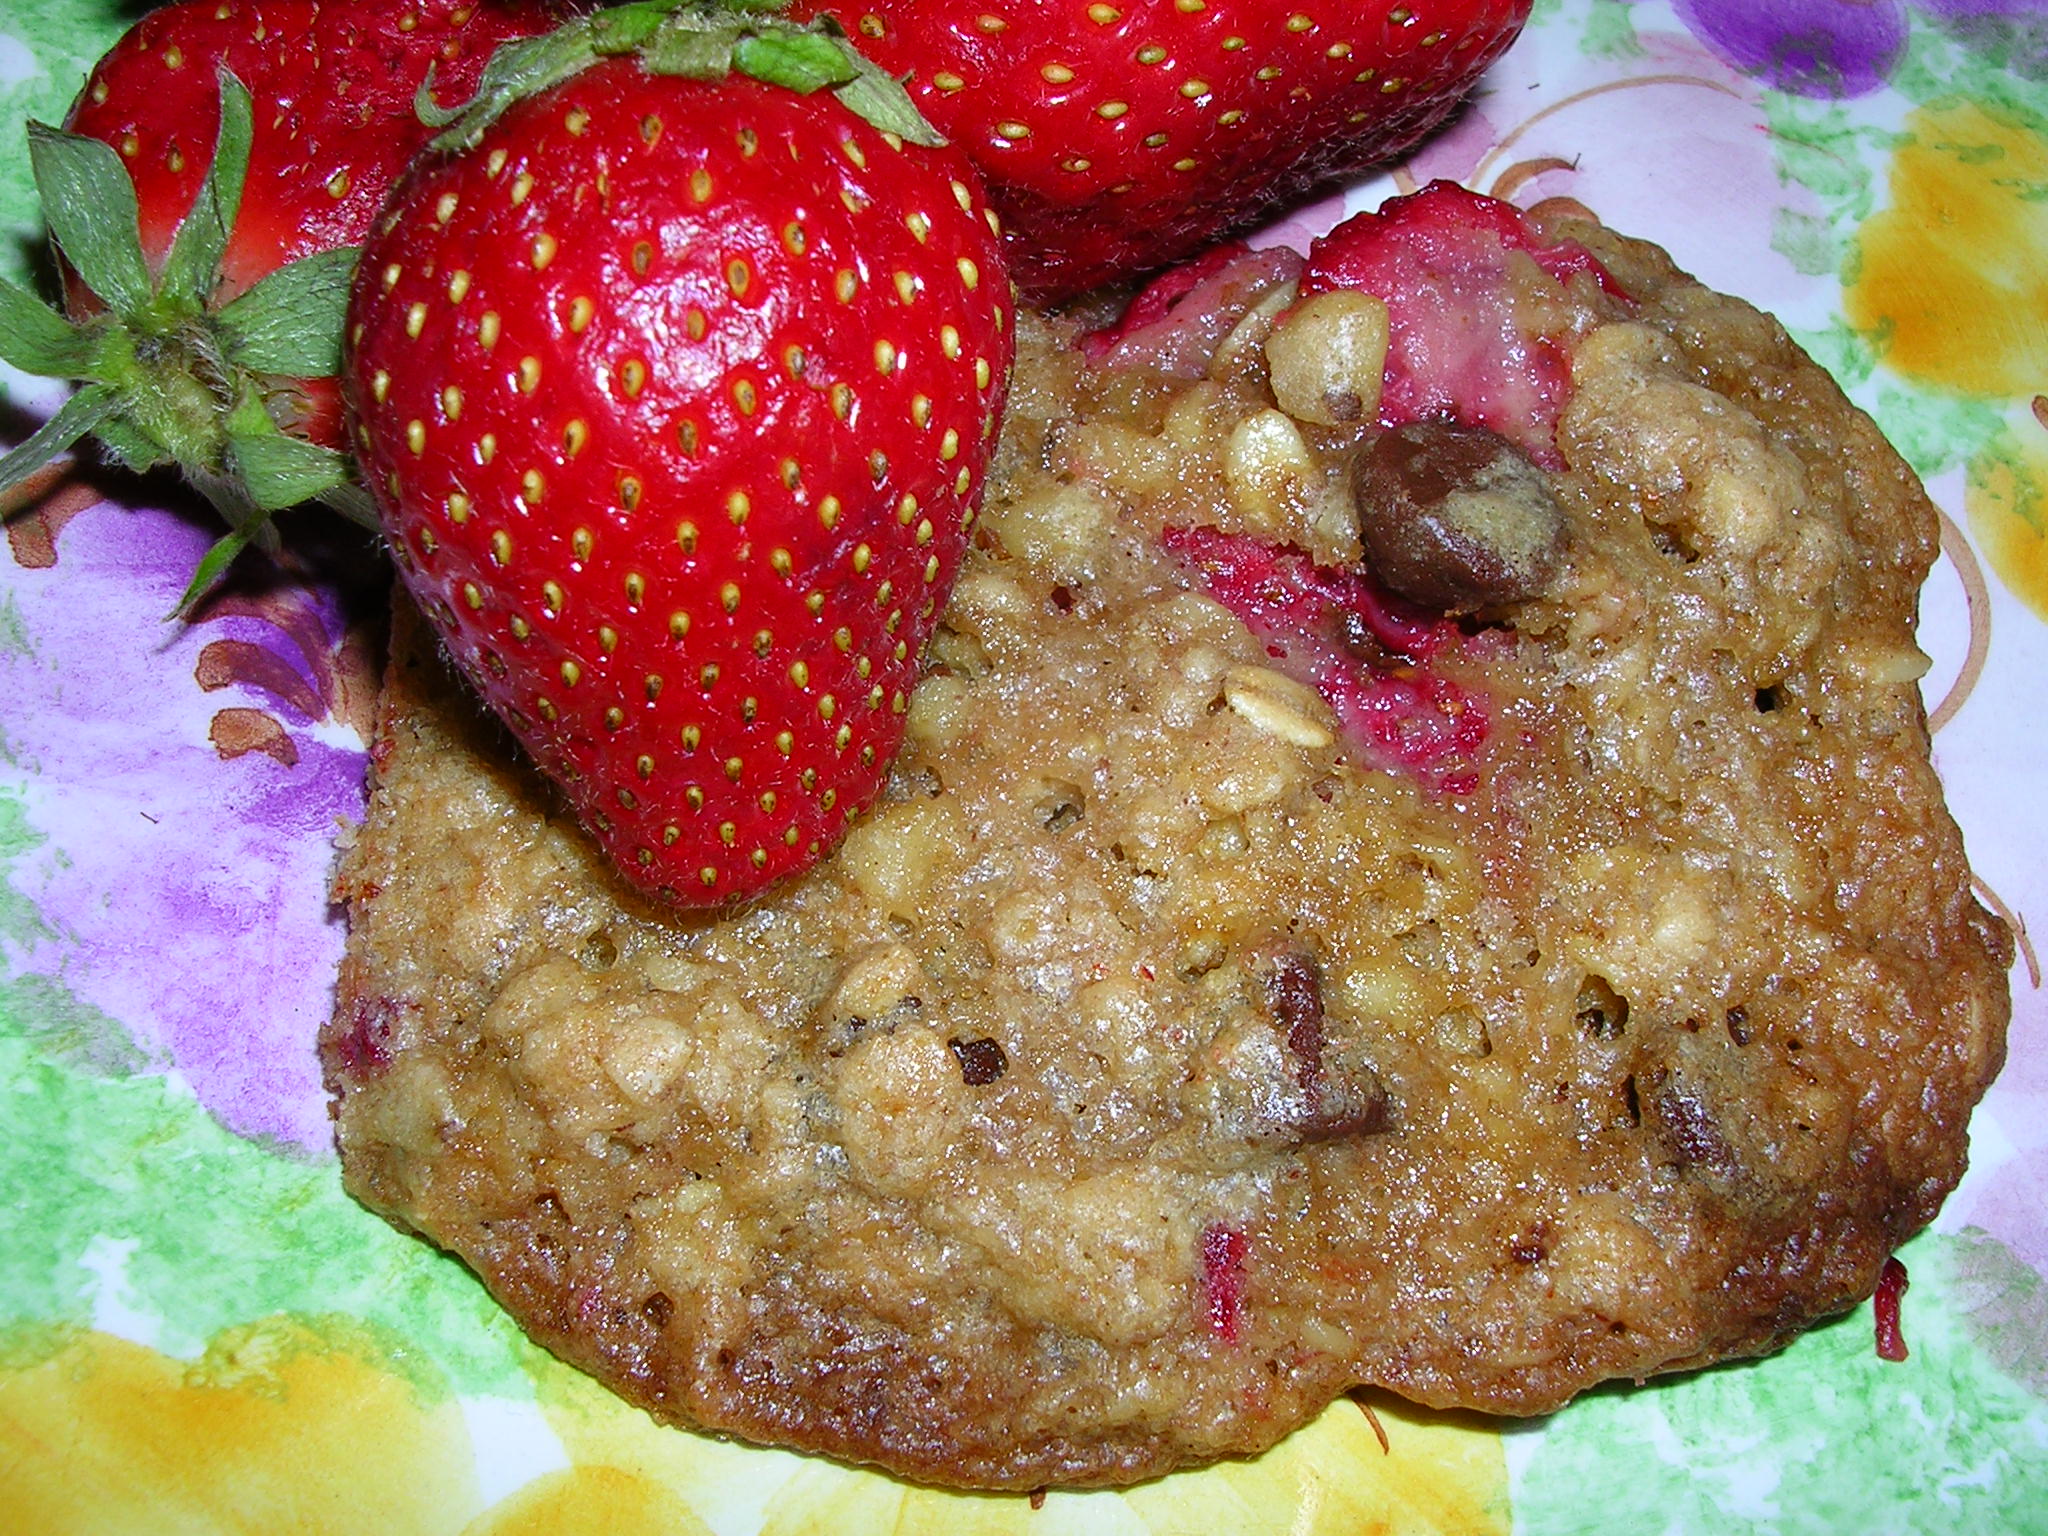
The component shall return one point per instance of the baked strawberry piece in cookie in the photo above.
(1414, 862)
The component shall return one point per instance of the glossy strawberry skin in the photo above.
(677, 399)
(334, 84)
(1119, 136)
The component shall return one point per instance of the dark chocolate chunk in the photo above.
(981, 1061)
(1455, 518)
(1332, 1097)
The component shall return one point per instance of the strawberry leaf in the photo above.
(355, 504)
(884, 103)
(694, 42)
(688, 52)
(193, 266)
(81, 414)
(625, 28)
(90, 205)
(275, 470)
(129, 446)
(802, 61)
(36, 339)
(291, 322)
(212, 566)
(266, 471)
(529, 66)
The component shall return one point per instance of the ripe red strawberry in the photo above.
(163, 236)
(676, 397)
(1121, 135)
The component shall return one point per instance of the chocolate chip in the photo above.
(1687, 1126)
(1295, 988)
(981, 1061)
(1455, 518)
(1737, 1020)
(1334, 1097)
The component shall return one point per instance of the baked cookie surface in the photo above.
(1255, 982)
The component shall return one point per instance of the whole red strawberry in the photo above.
(676, 396)
(178, 191)
(1120, 135)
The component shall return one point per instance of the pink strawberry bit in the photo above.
(1322, 626)
(1443, 261)
(364, 1050)
(1157, 299)
(1279, 592)
(1175, 323)
(1891, 1291)
(589, 1301)
(1223, 1283)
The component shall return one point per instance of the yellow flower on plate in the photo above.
(1440, 1474)
(1948, 281)
(2007, 504)
(297, 1425)
(1950, 284)
(318, 1427)
(590, 1500)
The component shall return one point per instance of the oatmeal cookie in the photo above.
(1416, 863)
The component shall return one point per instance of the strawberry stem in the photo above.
(690, 39)
(80, 415)
(165, 379)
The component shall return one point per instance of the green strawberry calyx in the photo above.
(164, 377)
(693, 39)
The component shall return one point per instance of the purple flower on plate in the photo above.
(2009, 34)
(1828, 48)
(179, 790)
(1959, 10)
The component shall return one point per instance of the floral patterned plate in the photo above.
(200, 1332)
